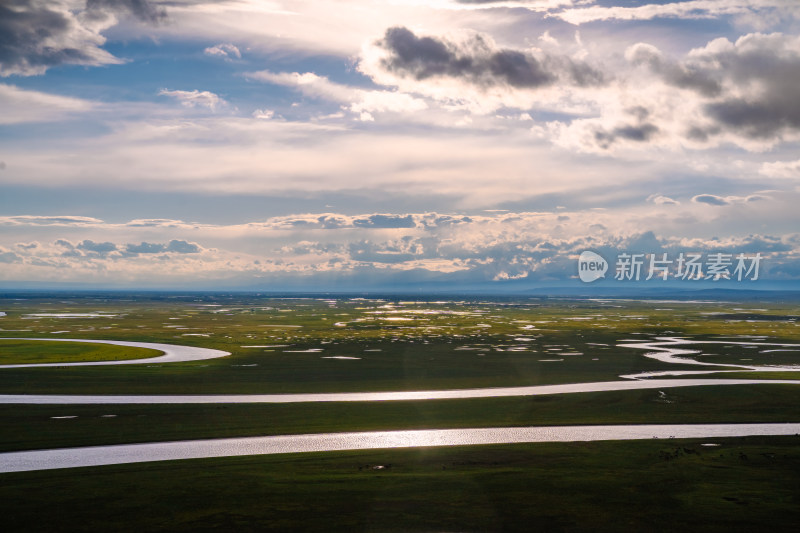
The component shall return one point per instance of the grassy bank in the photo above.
(18, 352)
(33, 427)
(745, 484)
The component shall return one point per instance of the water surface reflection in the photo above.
(197, 449)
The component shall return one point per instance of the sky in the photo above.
(333, 145)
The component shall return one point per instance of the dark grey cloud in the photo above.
(749, 88)
(770, 62)
(702, 134)
(97, 247)
(174, 246)
(478, 62)
(145, 248)
(331, 222)
(646, 242)
(435, 220)
(182, 247)
(385, 221)
(9, 257)
(673, 73)
(35, 36)
(631, 132)
(758, 119)
(144, 10)
(24, 27)
(710, 199)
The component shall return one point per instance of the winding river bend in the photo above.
(664, 349)
(173, 353)
(674, 350)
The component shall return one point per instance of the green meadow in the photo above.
(320, 344)
(293, 345)
(742, 485)
(44, 426)
(35, 352)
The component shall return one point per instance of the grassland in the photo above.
(294, 345)
(744, 485)
(284, 345)
(43, 426)
(35, 352)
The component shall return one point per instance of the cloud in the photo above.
(386, 247)
(225, 50)
(660, 199)
(356, 100)
(748, 11)
(309, 83)
(712, 199)
(145, 248)
(781, 169)
(9, 257)
(766, 71)
(21, 105)
(174, 246)
(155, 223)
(310, 247)
(182, 247)
(331, 221)
(631, 132)
(385, 221)
(478, 61)
(673, 73)
(530, 5)
(35, 36)
(195, 98)
(749, 85)
(739, 92)
(49, 220)
(264, 114)
(144, 10)
(97, 247)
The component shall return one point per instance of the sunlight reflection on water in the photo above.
(535, 390)
(196, 449)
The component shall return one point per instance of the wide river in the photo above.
(534, 390)
(327, 442)
(665, 350)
